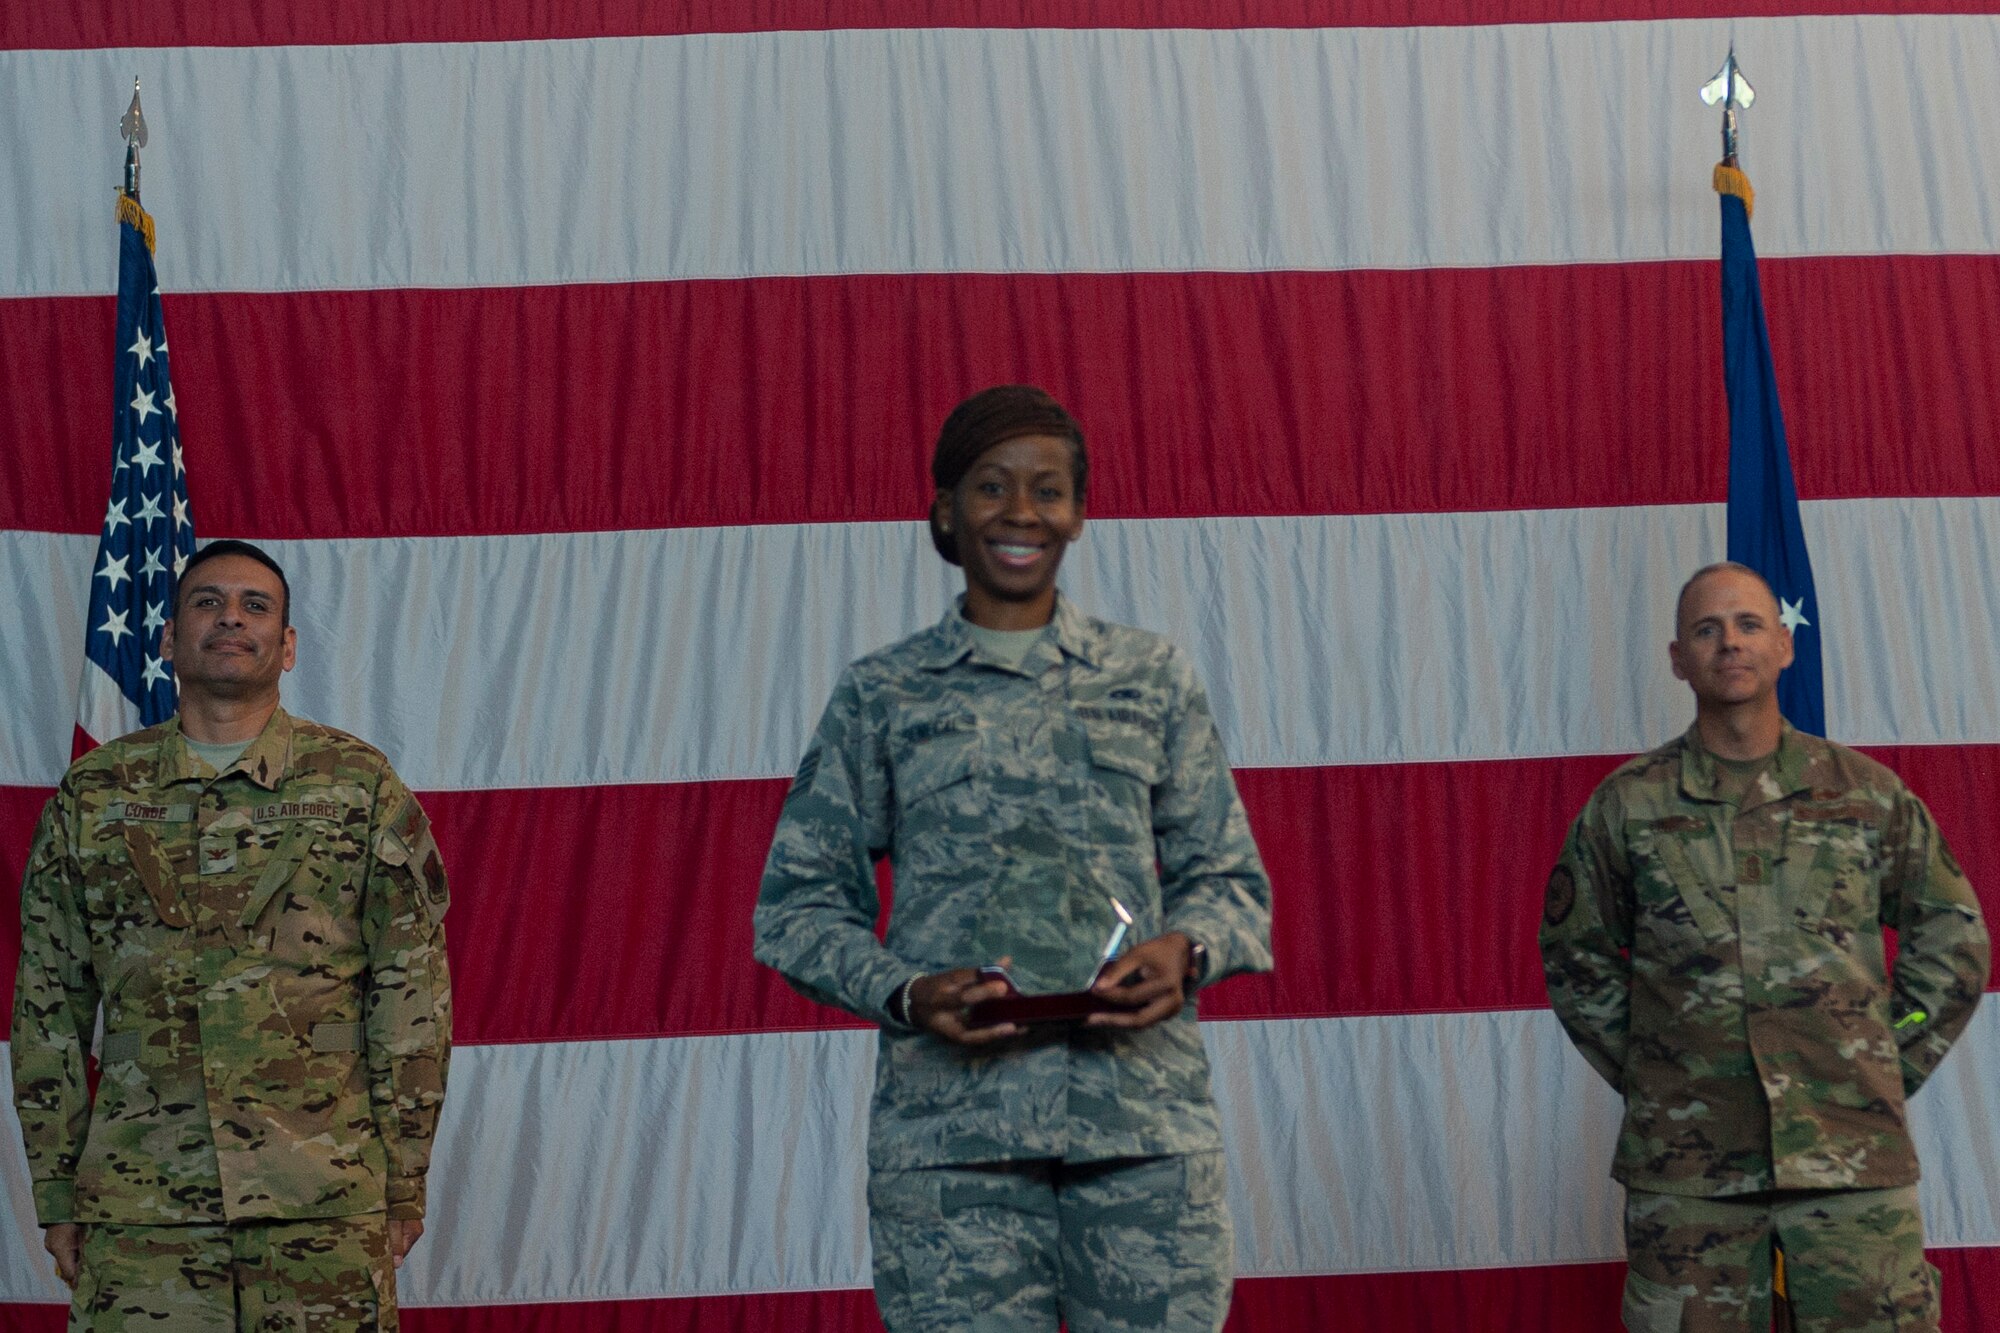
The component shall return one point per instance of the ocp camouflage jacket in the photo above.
(269, 950)
(1722, 964)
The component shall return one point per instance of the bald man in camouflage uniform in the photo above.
(1021, 765)
(1712, 936)
(259, 913)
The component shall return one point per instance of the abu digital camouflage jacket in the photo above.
(1721, 962)
(1013, 805)
(268, 948)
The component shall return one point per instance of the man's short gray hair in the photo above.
(1719, 567)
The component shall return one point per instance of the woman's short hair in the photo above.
(994, 416)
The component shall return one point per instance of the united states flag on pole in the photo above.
(148, 532)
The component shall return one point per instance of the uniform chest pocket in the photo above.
(130, 873)
(1127, 749)
(930, 764)
(1828, 874)
(1674, 897)
(312, 863)
(1127, 762)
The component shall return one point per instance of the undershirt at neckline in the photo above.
(221, 755)
(1009, 647)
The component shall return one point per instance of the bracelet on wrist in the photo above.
(899, 1009)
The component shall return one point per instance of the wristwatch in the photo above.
(1197, 960)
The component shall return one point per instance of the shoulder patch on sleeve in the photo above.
(397, 842)
(1560, 900)
(406, 841)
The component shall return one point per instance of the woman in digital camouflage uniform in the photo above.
(1028, 771)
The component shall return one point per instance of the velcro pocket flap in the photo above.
(328, 1037)
(119, 1048)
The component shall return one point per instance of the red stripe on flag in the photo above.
(1403, 888)
(615, 406)
(103, 23)
(20, 808)
(1562, 1298)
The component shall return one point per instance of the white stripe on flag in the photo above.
(103, 710)
(970, 150)
(706, 653)
(634, 1169)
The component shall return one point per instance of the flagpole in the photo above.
(1728, 108)
(133, 126)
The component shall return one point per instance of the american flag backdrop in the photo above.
(581, 363)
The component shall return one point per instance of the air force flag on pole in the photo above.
(1764, 531)
(148, 531)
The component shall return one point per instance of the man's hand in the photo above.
(1148, 982)
(403, 1233)
(938, 1003)
(64, 1241)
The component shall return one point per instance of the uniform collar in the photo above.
(1799, 756)
(1072, 634)
(264, 763)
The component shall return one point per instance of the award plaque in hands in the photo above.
(1062, 1007)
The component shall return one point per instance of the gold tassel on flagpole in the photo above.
(1731, 180)
(129, 211)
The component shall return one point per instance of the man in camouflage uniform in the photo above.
(1712, 937)
(255, 901)
(1021, 765)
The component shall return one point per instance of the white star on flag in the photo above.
(114, 625)
(142, 403)
(147, 456)
(181, 518)
(154, 617)
(114, 514)
(170, 394)
(142, 348)
(152, 565)
(1792, 614)
(180, 468)
(180, 561)
(114, 570)
(150, 512)
(155, 671)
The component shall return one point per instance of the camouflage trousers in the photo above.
(329, 1273)
(1133, 1243)
(1853, 1262)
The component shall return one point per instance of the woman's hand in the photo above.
(938, 1004)
(1148, 983)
